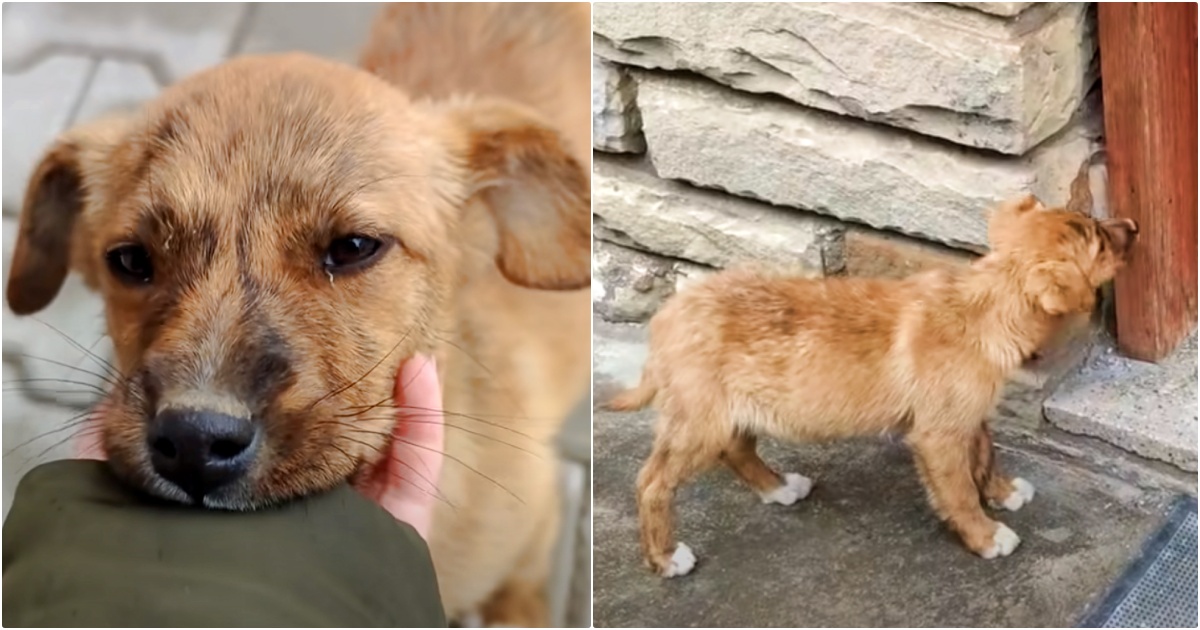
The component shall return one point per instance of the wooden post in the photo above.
(1148, 70)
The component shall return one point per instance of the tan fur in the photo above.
(467, 155)
(745, 353)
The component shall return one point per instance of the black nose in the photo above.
(200, 451)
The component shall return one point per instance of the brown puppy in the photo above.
(274, 236)
(744, 354)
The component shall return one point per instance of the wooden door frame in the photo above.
(1148, 72)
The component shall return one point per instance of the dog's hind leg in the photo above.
(944, 460)
(999, 491)
(741, 455)
(678, 456)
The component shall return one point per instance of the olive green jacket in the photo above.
(80, 549)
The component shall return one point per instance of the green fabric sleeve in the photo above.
(80, 549)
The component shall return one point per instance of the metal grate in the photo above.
(1159, 589)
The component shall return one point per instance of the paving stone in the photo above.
(117, 86)
(803, 158)
(336, 30)
(943, 71)
(706, 227)
(34, 345)
(616, 124)
(38, 104)
(176, 38)
(1144, 408)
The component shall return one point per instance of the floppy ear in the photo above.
(539, 196)
(50, 213)
(53, 201)
(1060, 288)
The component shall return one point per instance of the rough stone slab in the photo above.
(337, 30)
(33, 350)
(630, 286)
(853, 547)
(943, 71)
(872, 253)
(616, 124)
(804, 158)
(175, 38)
(1002, 9)
(1144, 408)
(117, 87)
(38, 105)
(679, 221)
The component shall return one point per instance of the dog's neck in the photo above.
(1008, 326)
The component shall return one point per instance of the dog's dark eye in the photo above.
(131, 263)
(351, 252)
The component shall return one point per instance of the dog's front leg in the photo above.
(943, 456)
(998, 490)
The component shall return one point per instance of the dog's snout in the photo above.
(200, 451)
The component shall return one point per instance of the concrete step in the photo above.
(1145, 408)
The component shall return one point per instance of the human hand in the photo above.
(405, 483)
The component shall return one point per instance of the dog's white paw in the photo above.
(471, 620)
(1004, 542)
(795, 487)
(1022, 494)
(682, 561)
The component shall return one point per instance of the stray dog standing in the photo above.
(744, 354)
(273, 237)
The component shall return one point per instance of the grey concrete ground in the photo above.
(863, 550)
(64, 64)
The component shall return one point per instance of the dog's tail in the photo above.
(634, 398)
(640, 395)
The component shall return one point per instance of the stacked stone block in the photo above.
(862, 139)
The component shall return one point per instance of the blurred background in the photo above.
(67, 63)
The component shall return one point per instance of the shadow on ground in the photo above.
(863, 550)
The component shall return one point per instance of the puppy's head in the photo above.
(1063, 256)
(272, 238)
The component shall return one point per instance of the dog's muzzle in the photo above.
(202, 451)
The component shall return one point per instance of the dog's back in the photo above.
(536, 54)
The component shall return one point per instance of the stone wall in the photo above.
(862, 139)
